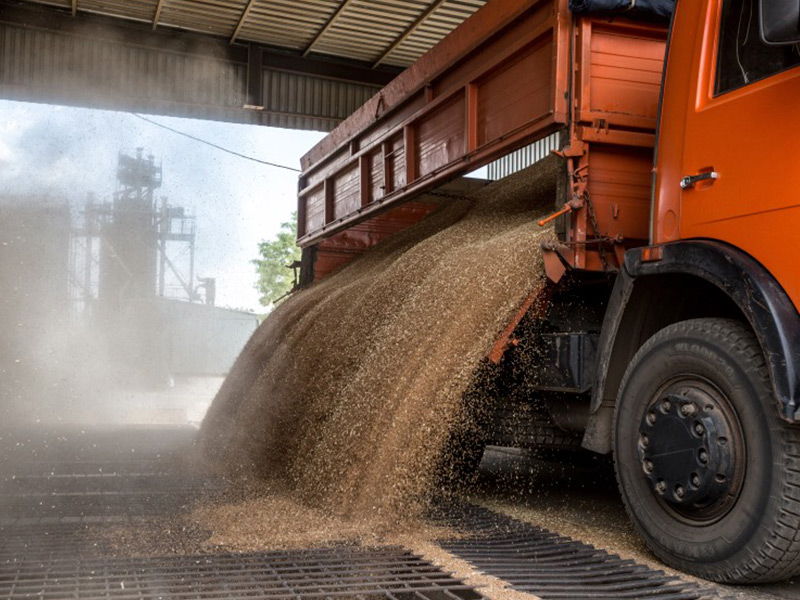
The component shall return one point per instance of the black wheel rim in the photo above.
(691, 450)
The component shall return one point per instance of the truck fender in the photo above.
(755, 292)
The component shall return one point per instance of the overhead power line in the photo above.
(207, 143)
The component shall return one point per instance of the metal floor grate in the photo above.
(95, 476)
(327, 573)
(549, 565)
(56, 490)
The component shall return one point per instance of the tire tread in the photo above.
(778, 557)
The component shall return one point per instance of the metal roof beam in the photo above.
(242, 19)
(334, 17)
(408, 31)
(157, 16)
(255, 77)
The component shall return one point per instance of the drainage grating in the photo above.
(38, 543)
(326, 573)
(549, 565)
(57, 490)
(345, 572)
(96, 476)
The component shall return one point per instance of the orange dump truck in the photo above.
(670, 334)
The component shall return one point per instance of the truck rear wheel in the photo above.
(709, 474)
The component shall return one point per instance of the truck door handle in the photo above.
(690, 180)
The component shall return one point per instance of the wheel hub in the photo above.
(687, 451)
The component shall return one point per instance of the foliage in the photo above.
(275, 278)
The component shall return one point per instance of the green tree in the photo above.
(275, 278)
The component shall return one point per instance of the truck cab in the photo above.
(696, 390)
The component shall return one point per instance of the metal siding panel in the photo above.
(69, 69)
(432, 30)
(321, 101)
(47, 66)
(204, 340)
(40, 59)
(523, 158)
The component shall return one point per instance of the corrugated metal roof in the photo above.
(392, 32)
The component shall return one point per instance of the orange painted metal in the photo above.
(567, 208)
(753, 203)
(653, 254)
(616, 86)
(502, 79)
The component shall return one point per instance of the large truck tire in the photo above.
(709, 473)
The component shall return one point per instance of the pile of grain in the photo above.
(349, 391)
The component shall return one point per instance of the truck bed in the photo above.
(514, 72)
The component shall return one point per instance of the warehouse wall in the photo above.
(91, 63)
(205, 340)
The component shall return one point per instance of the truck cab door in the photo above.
(741, 155)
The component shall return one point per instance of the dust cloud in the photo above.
(45, 354)
(77, 347)
(349, 393)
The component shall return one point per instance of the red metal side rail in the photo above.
(497, 82)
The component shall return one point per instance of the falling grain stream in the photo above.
(349, 390)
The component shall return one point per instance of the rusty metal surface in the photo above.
(338, 250)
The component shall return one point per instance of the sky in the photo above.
(65, 153)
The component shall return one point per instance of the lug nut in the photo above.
(648, 465)
(644, 440)
(661, 487)
(703, 456)
(679, 491)
(666, 405)
(651, 417)
(688, 409)
(699, 429)
(696, 480)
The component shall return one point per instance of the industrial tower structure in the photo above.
(128, 251)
